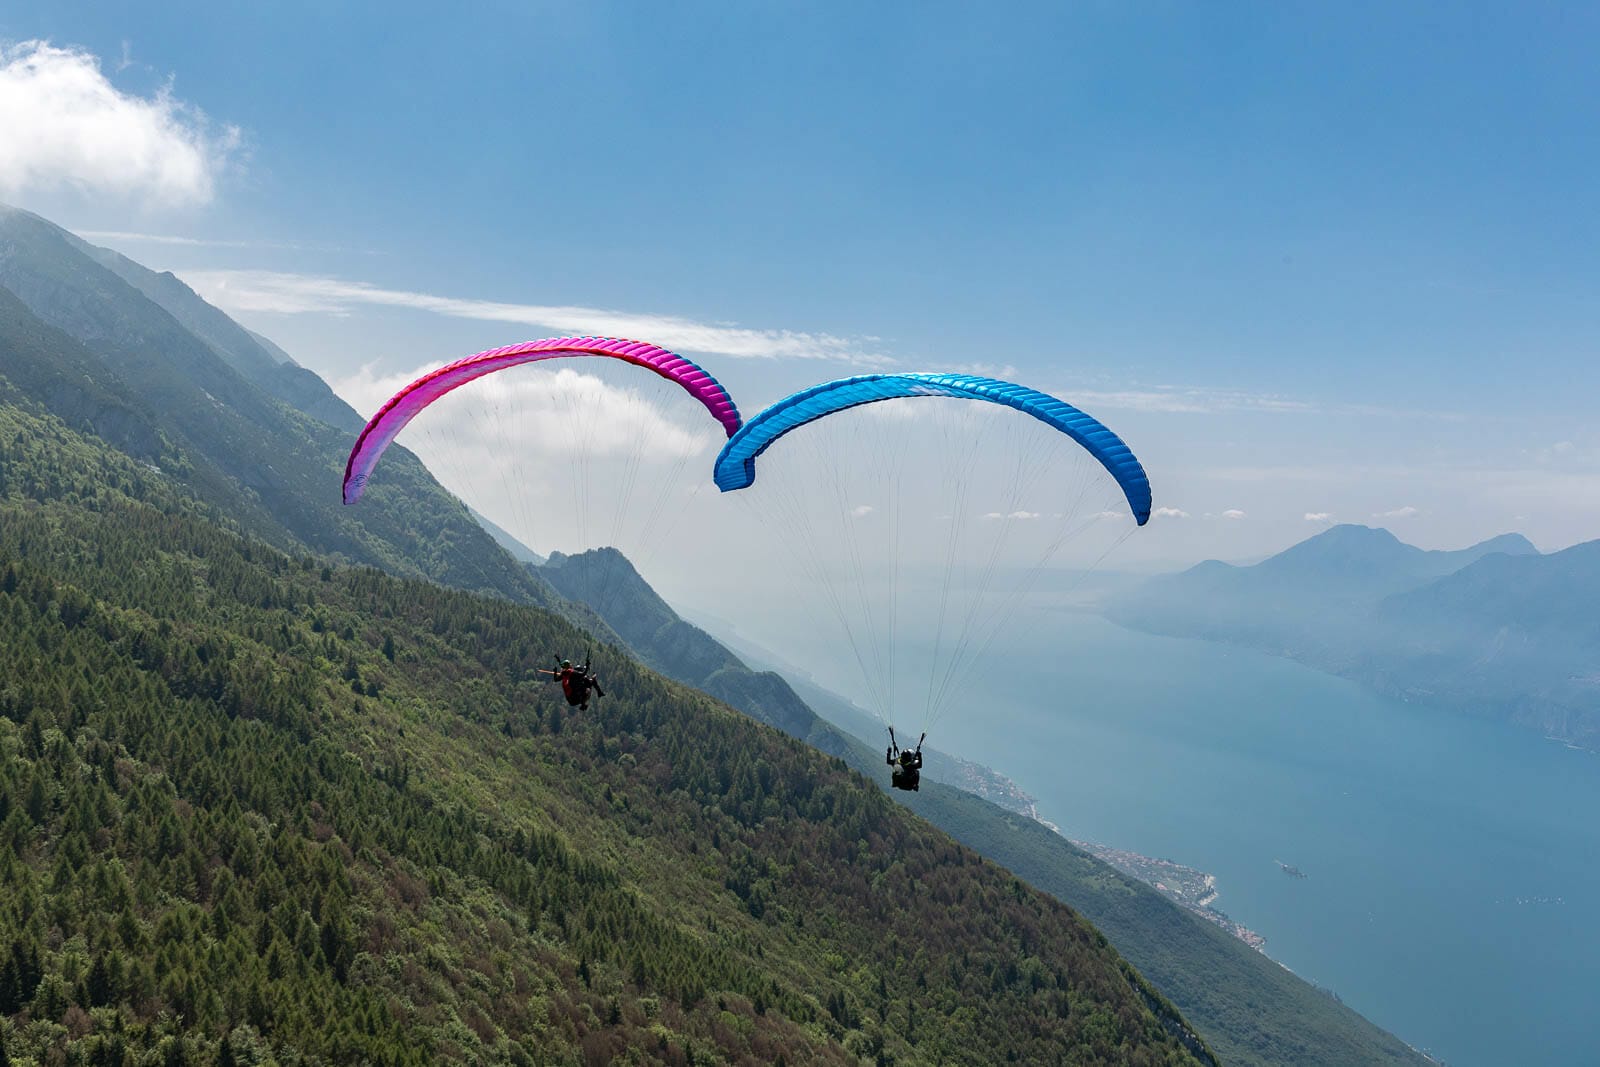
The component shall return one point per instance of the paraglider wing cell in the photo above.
(382, 429)
(736, 465)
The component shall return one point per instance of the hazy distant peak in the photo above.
(1342, 547)
(1351, 537)
(12, 209)
(1579, 562)
(1582, 550)
(1512, 544)
(1351, 533)
(1350, 544)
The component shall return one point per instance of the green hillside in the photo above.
(257, 808)
(256, 358)
(99, 353)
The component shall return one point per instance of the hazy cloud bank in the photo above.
(304, 294)
(64, 125)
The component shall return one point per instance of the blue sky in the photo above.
(1310, 260)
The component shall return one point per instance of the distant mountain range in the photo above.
(1496, 629)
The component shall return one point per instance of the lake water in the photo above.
(1453, 865)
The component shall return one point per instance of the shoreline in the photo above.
(1188, 887)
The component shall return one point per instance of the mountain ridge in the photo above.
(1496, 628)
(258, 360)
(263, 459)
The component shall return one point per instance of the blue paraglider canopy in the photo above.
(736, 465)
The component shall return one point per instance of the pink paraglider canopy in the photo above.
(383, 427)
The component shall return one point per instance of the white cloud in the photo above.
(199, 242)
(1319, 516)
(1021, 516)
(1170, 513)
(1566, 454)
(157, 238)
(1398, 513)
(563, 458)
(1195, 400)
(63, 124)
(987, 370)
(1233, 513)
(897, 409)
(302, 294)
(1112, 516)
(934, 410)
(560, 414)
(861, 511)
(1210, 400)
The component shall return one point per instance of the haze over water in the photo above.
(1453, 864)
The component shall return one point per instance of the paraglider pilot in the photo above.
(576, 683)
(907, 764)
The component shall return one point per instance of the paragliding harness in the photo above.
(907, 763)
(577, 682)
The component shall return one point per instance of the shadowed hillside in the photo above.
(107, 359)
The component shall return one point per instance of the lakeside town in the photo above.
(1192, 889)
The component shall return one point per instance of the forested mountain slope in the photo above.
(107, 359)
(257, 359)
(1248, 1008)
(254, 805)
